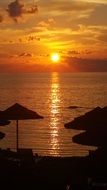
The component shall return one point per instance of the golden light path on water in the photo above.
(54, 110)
(50, 95)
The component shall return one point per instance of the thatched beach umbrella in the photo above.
(95, 124)
(2, 135)
(94, 118)
(4, 122)
(95, 137)
(18, 112)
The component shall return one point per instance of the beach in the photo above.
(50, 172)
(41, 172)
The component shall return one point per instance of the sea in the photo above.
(50, 95)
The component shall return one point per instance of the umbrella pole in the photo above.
(17, 135)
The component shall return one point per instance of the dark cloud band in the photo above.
(17, 9)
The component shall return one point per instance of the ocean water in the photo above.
(50, 94)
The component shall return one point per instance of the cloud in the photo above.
(6, 55)
(66, 5)
(32, 10)
(73, 52)
(103, 35)
(103, 38)
(97, 17)
(47, 23)
(87, 65)
(1, 18)
(16, 9)
(97, 1)
(25, 55)
(32, 38)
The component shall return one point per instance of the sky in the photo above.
(30, 31)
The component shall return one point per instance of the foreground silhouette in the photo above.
(23, 169)
(18, 112)
(94, 123)
(94, 118)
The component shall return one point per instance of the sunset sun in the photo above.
(55, 57)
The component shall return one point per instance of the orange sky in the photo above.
(76, 29)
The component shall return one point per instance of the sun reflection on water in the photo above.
(54, 114)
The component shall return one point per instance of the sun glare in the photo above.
(55, 57)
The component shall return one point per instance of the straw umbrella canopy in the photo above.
(4, 122)
(97, 159)
(92, 138)
(96, 117)
(96, 133)
(18, 112)
(95, 125)
(2, 135)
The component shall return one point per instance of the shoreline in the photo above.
(48, 172)
(27, 170)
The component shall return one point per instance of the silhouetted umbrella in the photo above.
(4, 122)
(95, 117)
(95, 137)
(95, 124)
(2, 135)
(19, 112)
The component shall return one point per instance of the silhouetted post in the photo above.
(17, 135)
